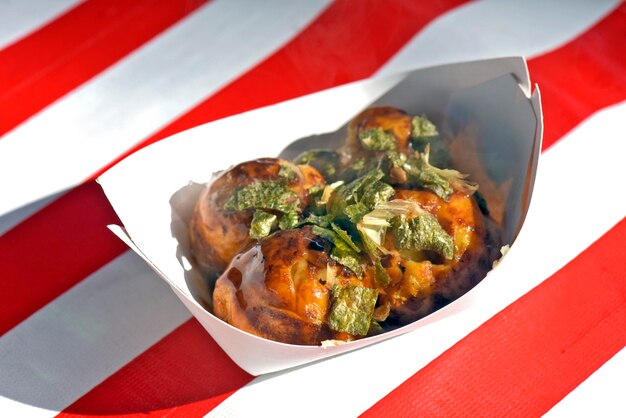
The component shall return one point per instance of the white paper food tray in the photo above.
(152, 190)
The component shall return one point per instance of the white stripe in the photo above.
(601, 395)
(495, 28)
(18, 18)
(79, 339)
(359, 381)
(94, 124)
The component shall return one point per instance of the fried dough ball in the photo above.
(216, 235)
(280, 288)
(388, 119)
(421, 283)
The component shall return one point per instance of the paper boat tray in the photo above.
(488, 102)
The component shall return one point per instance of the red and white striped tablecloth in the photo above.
(87, 329)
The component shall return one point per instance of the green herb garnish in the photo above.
(352, 309)
(288, 171)
(382, 277)
(355, 212)
(358, 197)
(424, 134)
(373, 226)
(375, 193)
(345, 237)
(348, 258)
(323, 160)
(261, 225)
(319, 220)
(422, 232)
(397, 159)
(358, 165)
(423, 128)
(315, 191)
(435, 181)
(376, 139)
(443, 182)
(289, 220)
(268, 195)
(263, 195)
(344, 251)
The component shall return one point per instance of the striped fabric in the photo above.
(87, 329)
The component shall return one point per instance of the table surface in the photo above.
(88, 329)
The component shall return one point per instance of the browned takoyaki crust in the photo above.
(387, 118)
(280, 288)
(421, 286)
(217, 235)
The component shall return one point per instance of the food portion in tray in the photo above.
(346, 243)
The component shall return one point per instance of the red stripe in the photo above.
(344, 53)
(53, 250)
(184, 374)
(583, 76)
(42, 67)
(533, 353)
(346, 43)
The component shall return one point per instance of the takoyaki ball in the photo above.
(422, 282)
(280, 288)
(390, 120)
(216, 234)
